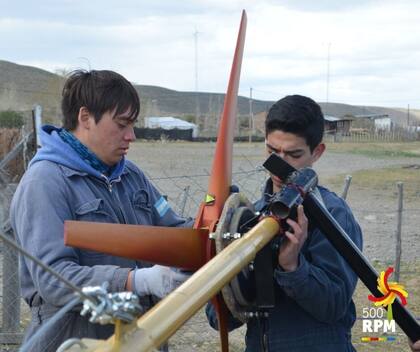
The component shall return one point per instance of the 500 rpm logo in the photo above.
(374, 320)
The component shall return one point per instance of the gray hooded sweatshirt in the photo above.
(59, 185)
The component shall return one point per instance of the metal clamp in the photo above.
(233, 236)
(110, 307)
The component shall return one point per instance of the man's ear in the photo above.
(84, 118)
(318, 151)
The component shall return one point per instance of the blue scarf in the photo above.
(87, 155)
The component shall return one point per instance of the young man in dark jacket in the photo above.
(81, 173)
(314, 310)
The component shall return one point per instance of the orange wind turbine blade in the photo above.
(221, 172)
(172, 246)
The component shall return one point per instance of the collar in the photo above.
(85, 153)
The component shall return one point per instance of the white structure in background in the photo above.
(170, 123)
(383, 123)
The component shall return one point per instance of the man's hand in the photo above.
(415, 347)
(290, 247)
(158, 280)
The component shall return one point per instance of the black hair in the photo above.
(99, 92)
(298, 115)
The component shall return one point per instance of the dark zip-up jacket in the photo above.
(314, 310)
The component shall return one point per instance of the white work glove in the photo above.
(157, 280)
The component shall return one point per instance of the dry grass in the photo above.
(376, 149)
(384, 181)
(8, 138)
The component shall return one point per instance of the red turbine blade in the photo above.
(221, 173)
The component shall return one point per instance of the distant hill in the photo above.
(398, 115)
(23, 86)
(158, 101)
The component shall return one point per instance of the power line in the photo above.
(197, 104)
(328, 72)
(44, 266)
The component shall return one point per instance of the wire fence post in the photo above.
(11, 292)
(398, 232)
(10, 332)
(184, 200)
(346, 187)
(37, 124)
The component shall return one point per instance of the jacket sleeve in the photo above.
(323, 284)
(38, 211)
(213, 321)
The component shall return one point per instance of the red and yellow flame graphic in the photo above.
(390, 291)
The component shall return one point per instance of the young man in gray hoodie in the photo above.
(81, 173)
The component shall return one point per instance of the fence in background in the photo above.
(399, 135)
(14, 161)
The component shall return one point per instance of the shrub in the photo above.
(11, 119)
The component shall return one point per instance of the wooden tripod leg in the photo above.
(222, 318)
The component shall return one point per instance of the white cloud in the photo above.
(374, 47)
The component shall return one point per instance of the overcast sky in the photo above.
(374, 45)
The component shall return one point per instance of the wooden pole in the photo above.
(398, 232)
(251, 116)
(346, 187)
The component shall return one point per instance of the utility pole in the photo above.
(197, 103)
(328, 73)
(251, 116)
(408, 116)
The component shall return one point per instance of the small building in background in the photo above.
(337, 125)
(333, 125)
(381, 122)
(170, 123)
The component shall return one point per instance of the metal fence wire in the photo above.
(186, 193)
(11, 331)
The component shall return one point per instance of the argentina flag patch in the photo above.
(161, 206)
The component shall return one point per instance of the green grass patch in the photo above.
(383, 150)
